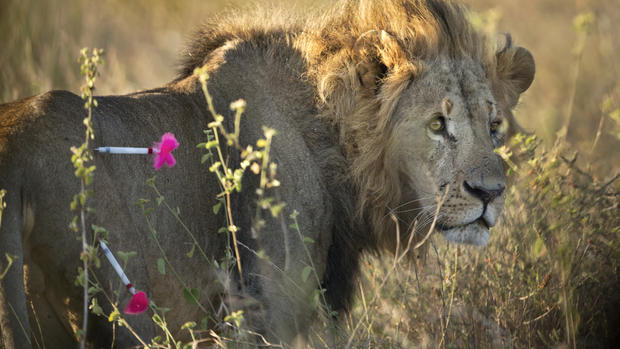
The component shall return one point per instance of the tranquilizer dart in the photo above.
(162, 150)
(138, 303)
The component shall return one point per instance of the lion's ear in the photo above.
(515, 70)
(376, 53)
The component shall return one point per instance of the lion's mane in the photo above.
(340, 63)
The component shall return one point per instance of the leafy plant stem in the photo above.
(165, 257)
(81, 156)
(178, 218)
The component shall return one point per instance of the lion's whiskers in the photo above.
(414, 200)
(397, 209)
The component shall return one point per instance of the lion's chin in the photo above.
(474, 233)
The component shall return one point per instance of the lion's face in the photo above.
(446, 127)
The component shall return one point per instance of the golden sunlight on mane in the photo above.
(344, 51)
(419, 30)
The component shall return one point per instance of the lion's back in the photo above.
(24, 123)
(267, 72)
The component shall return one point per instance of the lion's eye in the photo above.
(495, 126)
(438, 124)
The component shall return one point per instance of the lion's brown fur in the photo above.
(422, 29)
(342, 59)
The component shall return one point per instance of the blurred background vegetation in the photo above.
(550, 274)
(578, 69)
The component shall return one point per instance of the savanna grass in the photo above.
(549, 276)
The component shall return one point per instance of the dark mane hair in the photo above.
(419, 30)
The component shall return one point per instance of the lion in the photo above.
(387, 112)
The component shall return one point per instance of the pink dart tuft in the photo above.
(138, 304)
(164, 151)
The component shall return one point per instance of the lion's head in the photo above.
(421, 102)
(444, 132)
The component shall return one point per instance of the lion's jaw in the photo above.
(475, 230)
(456, 167)
(466, 218)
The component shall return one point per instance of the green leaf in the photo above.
(151, 181)
(124, 256)
(216, 207)
(161, 266)
(73, 225)
(74, 203)
(215, 166)
(538, 247)
(78, 334)
(308, 240)
(316, 297)
(159, 200)
(212, 144)
(98, 229)
(276, 209)
(141, 202)
(190, 254)
(188, 325)
(95, 308)
(205, 157)
(191, 295)
(262, 255)
(203, 323)
(80, 280)
(305, 273)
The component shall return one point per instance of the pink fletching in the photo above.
(138, 304)
(164, 151)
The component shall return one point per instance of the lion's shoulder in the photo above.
(16, 116)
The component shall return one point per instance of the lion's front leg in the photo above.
(281, 290)
(13, 309)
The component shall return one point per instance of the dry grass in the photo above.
(549, 276)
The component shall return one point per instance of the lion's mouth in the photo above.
(474, 233)
(481, 220)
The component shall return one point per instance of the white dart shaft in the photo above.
(116, 266)
(124, 150)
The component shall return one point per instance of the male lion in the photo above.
(382, 108)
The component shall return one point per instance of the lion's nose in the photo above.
(486, 193)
